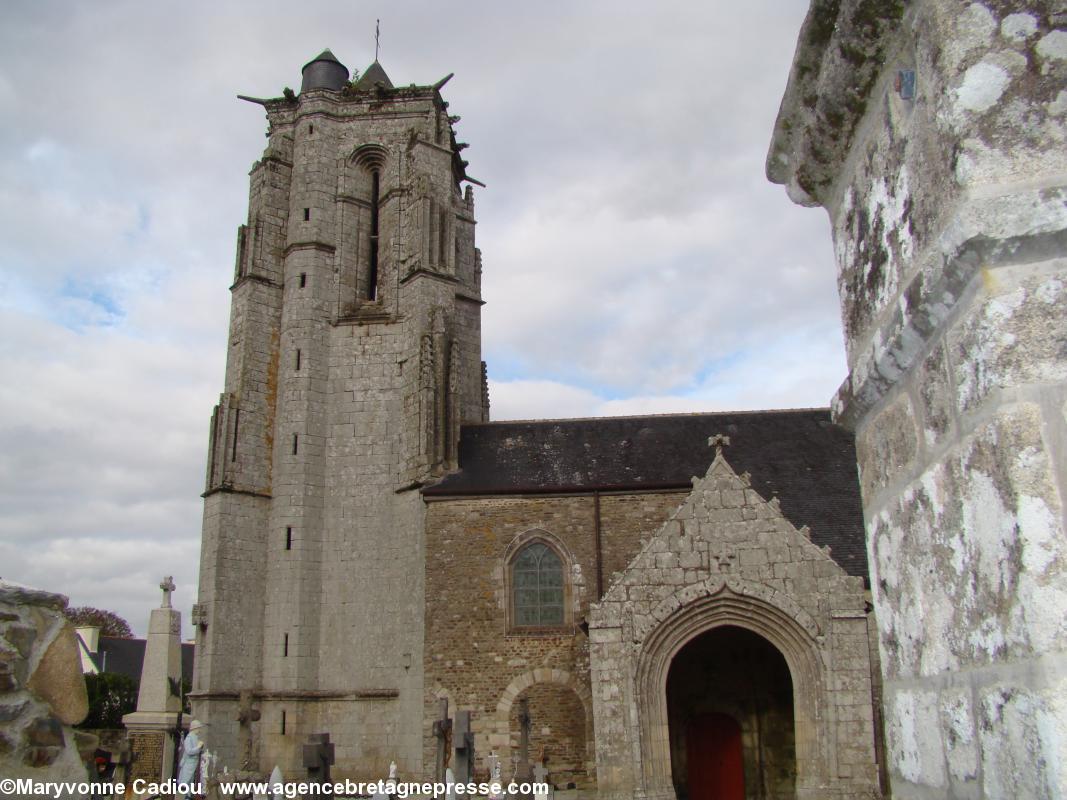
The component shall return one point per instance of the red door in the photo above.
(713, 753)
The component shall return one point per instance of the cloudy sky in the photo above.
(636, 259)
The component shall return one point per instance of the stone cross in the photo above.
(523, 771)
(540, 775)
(246, 715)
(318, 756)
(167, 586)
(464, 742)
(718, 441)
(442, 732)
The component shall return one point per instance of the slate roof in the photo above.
(325, 55)
(798, 456)
(126, 656)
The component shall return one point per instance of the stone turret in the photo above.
(354, 356)
(323, 72)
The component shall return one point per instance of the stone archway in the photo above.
(730, 716)
(542, 682)
(707, 613)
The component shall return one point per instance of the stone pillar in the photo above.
(934, 134)
(154, 725)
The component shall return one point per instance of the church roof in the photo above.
(126, 657)
(798, 456)
(375, 74)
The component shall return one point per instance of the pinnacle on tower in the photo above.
(374, 75)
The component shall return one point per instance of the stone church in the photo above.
(654, 606)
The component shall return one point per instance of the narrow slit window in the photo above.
(303, 279)
(307, 214)
(442, 234)
(296, 443)
(311, 130)
(283, 723)
(236, 426)
(372, 277)
(285, 645)
(289, 538)
(297, 360)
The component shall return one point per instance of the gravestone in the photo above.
(442, 732)
(540, 775)
(154, 726)
(464, 743)
(522, 770)
(318, 756)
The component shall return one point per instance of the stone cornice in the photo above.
(839, 57)
(310, 245)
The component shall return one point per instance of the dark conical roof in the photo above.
(374, 74)
(325, 55)
(324, 72)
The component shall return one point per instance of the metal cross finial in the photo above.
(377, 33)
(167, 586)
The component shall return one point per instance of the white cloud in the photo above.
(636, 260)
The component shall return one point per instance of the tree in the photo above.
(109, 623)
(111, 695)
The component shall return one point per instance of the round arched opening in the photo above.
(730, 718)
(555, 724)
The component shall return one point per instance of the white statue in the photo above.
(275, 781)
(189, 755)
(450, 779)
(496, 793)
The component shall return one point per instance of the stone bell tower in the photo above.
(354, 354)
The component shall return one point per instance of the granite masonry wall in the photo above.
(934, 134)
(483, 664)
(728, 558)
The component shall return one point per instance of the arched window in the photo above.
(537, 587)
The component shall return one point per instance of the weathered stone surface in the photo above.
(35, 738)
(10, 711)
(985, 522)
(1015, 335)
(21, 637)
(58, 680)
(950, 233)
(44, 732)
(887, 446)
(935, 393)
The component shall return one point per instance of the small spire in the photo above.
(374, 75)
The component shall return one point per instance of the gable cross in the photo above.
(719, 441)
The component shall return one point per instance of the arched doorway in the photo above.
(730, 718)
(557, 733)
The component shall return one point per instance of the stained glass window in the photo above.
(537, 583)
